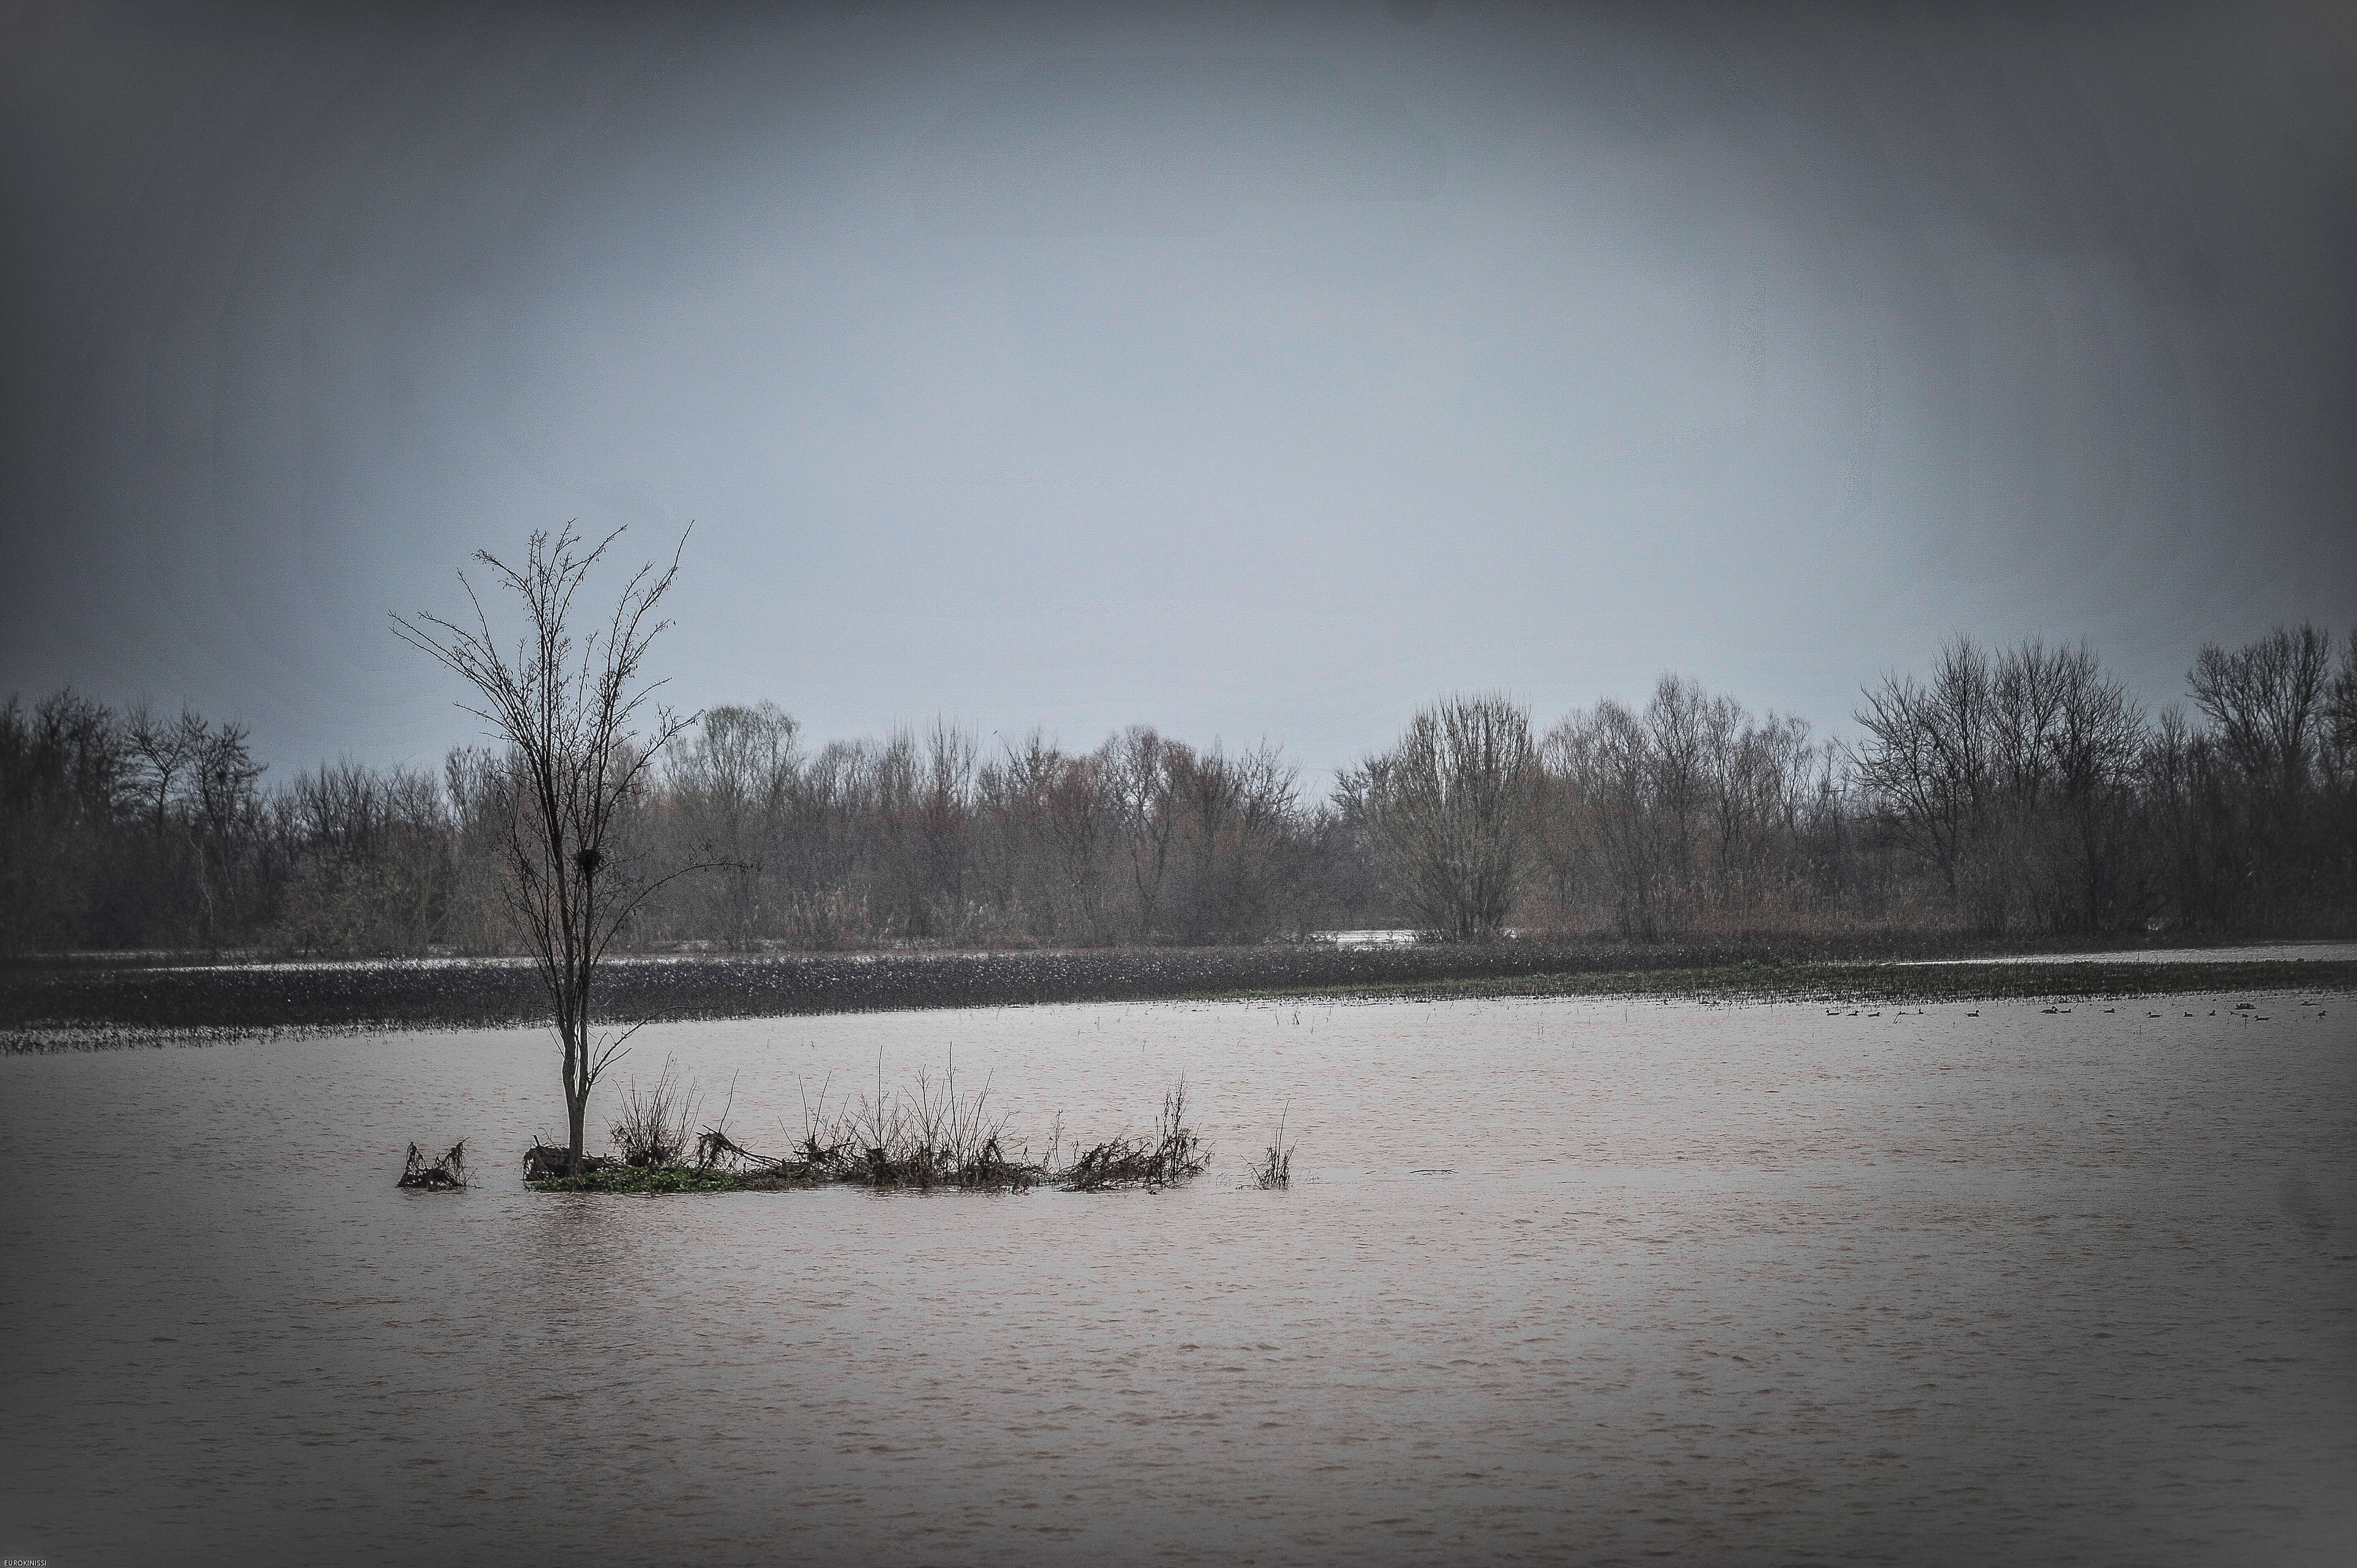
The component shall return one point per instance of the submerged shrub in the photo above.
(652, 1127)
(447, 1173)
(922, 1138)
(1274, 1168)
(1171, 1155)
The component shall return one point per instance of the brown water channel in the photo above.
(1557, 1280)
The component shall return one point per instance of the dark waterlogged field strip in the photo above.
(122, 1004)
(465, 994)
(1869, 983)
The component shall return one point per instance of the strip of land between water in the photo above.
(1866, 982)
(86, 1004)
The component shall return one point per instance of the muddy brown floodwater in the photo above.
(1557, 1280)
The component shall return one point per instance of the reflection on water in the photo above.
(1729, 1283)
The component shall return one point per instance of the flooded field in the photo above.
(73, 1004)
(1557, 1279)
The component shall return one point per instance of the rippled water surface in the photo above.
(1557, 1279)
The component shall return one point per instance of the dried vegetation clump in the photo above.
(926, 1137)
(931, 1136)
(447, 1173)
(1170, 1155)
(653, 1129)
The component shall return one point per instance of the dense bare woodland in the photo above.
(2013, 791)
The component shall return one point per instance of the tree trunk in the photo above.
(577, 1107)
(577, 1092)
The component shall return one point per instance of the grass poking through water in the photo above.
(930, 1137)
(1274, 1170)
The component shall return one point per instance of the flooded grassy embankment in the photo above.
(106, 1002)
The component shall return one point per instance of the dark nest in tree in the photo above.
(447, 1173)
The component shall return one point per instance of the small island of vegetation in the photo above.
(927, 1138)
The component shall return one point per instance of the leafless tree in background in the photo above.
(2267, 699)
(944, 812)
(1925, 759)
(374, 870)
(67, 776)
(1450, 808)
(1141, 769)
(2268, 704)
(2341, 720)
(2014, 775)
(732, 786)
(2094, 753)
(163, 751)
(565, 711)
(2014, 790)
(1602, 828)
(1688, 815)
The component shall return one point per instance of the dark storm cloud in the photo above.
(1247, 373)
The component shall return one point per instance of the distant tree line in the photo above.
(2010, 791)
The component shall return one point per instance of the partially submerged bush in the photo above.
(652, 1127)
(921, 1138)
(1171, 1155)
(447, 1173)
(1274, 1168)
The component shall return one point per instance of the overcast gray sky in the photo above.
(1248, 371)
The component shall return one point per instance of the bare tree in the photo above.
(565, 711)
(2266, 700)
(1683, 729)
(2341, 717)
(945, 814)
(163, 750)
(1144, 770)
(731, 785)
(1924, 762)
(2099, 732)
(225, 818)
(1605, 776)
(1450, 808)
(1081, 826)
